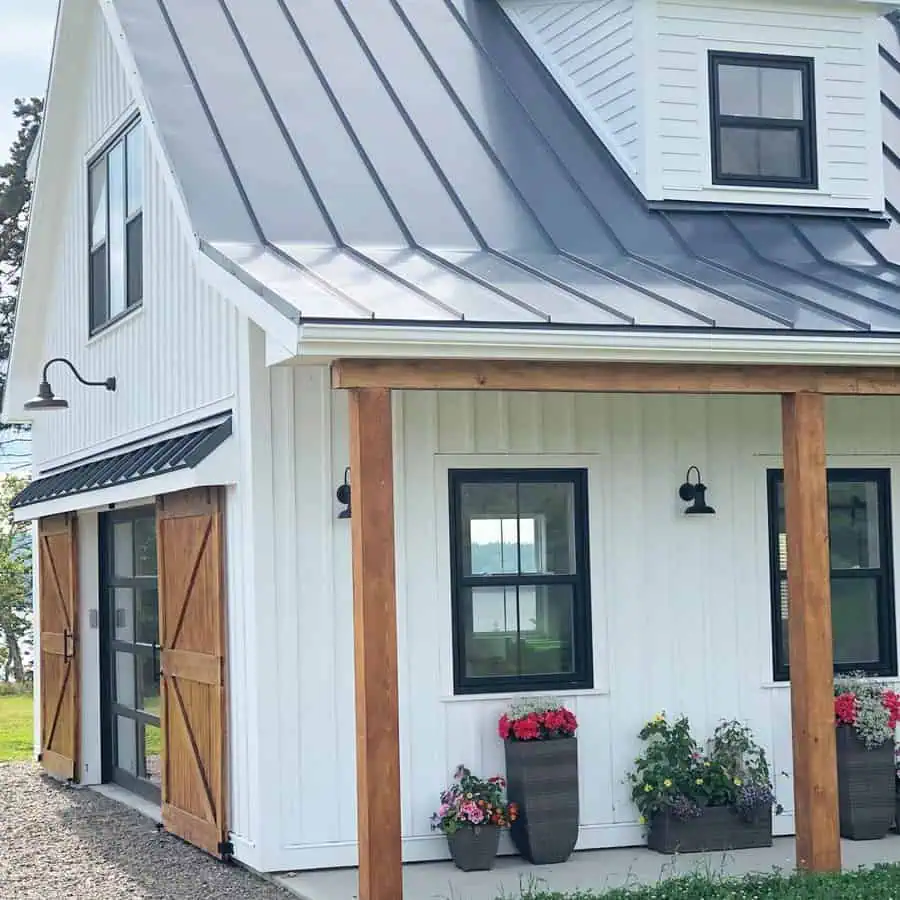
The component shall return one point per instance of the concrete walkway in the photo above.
(595, 869)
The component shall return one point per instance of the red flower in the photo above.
(504, 727)
(527, 729)
(845, 709)
(891, 701)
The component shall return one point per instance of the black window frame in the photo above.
(806, 127)
(131, 223)
(582, 676)
(887, 628)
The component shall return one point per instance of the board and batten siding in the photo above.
(842, 40)
(175, 358)
(681, 608)
(590, 48)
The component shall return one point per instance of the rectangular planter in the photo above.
(542, 778)
(866, 787)
(717, 828)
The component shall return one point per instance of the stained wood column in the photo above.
(811, 651)
(375, 643)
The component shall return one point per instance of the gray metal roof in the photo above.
(412, 160)
(168, 454)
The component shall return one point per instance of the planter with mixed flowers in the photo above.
(693, 801)
(542, 774)
(865, 715)
(471, 814)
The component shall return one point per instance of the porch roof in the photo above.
(410, 162)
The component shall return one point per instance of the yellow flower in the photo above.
(648, 788)
(659, 717)
(667, 782)
(699, 781)
(642, 821)
(707, 764)
(738, 782)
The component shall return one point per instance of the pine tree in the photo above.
(15, 205)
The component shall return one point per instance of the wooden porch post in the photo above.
(811, 652)
(375, 643)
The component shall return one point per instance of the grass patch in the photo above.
(16, 728)
(879, 883)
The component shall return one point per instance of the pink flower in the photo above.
(443, 810)
(472, 812)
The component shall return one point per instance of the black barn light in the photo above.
(695, 494)
(46, 399)
(343, 495)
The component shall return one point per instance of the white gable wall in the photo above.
(681, 608)
(638, 72)
(843, 42)
(590, 46)
(174, 358)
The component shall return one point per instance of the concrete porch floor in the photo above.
(595, 869)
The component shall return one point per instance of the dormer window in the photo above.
(763, 121)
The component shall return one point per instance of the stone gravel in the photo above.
(61, 842)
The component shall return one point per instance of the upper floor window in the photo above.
(521, 605)
(763, 120)
(116, 197)
(862, 591)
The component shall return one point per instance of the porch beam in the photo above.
(605, 377)
(811, 652)
(375, 646)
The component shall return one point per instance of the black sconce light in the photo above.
(46, 399)
(695, 494)
(343, 495)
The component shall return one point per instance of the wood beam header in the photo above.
(607, 377)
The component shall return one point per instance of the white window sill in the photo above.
(130, 315)
(555, 695)
(878, 679)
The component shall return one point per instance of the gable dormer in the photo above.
(756, 102)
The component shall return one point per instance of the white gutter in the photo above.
(326, 341)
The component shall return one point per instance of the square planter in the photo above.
(474, 849)
(717, 828)
(866, 787)
(542, 778)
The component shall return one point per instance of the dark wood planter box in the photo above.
(542, 778)
(717, 828)
(866, 787)
(897, 813)
(474, 849)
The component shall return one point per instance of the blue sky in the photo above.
(26, 40)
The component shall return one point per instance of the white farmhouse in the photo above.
(513, 271)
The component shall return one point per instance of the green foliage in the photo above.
(674, 774)
(15, 583)
(16, 727)
(879, 883)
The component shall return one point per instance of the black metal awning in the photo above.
(169, 454)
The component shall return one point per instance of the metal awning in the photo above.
(165, 455)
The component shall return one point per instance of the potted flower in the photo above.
(542, 775)
(471, 814)
(865, 715)
(693, 801)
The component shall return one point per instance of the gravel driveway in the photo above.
(57, 843)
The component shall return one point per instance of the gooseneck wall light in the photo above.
(343, 495)
(695, 494)
(46, 399)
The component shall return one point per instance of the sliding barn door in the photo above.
(60, 669)
(192, 636)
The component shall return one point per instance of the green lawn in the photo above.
(880, 883)
(16, 728)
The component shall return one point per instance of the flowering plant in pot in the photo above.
(866, 714)
(691, 800)
(471, 814)
(542, 774)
